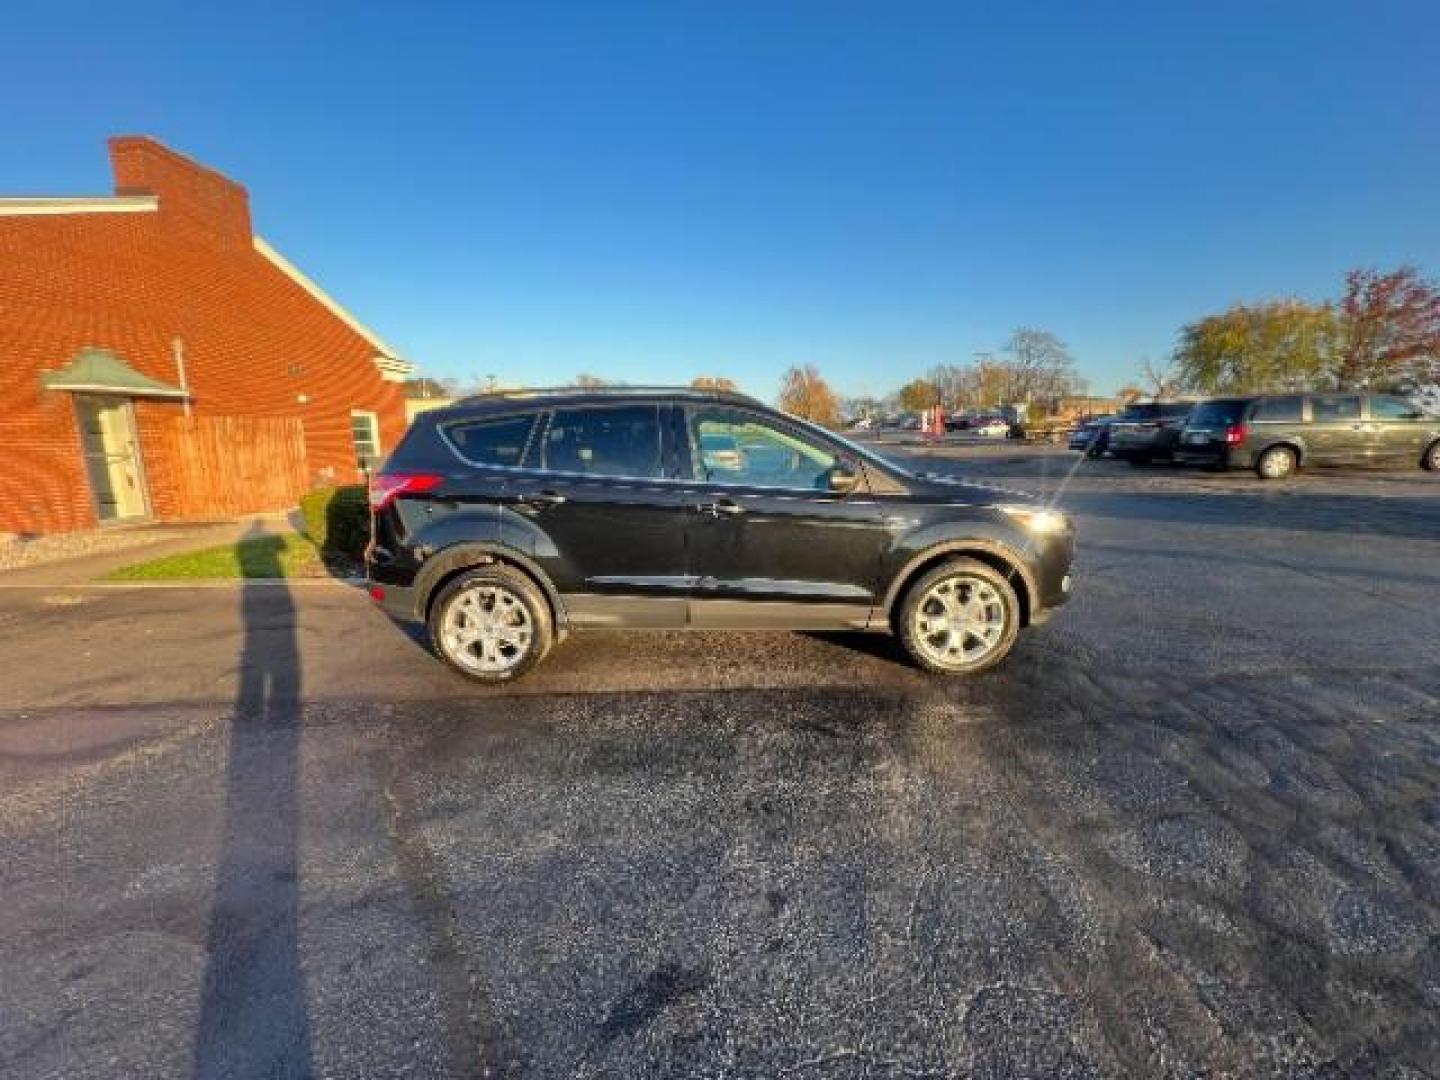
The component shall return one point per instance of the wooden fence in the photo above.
(224, 466)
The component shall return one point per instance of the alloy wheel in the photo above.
(1277, 464)
(487, 629)
(959, 621)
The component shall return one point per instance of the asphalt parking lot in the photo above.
(1192, 827)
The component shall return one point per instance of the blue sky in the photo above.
(653, 191)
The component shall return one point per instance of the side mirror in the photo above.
(844, 479)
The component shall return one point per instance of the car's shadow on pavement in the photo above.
(253, 1019)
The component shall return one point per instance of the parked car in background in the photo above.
(1092, 436)
(1149, 431)
(993, 427)
(1277, 434)
(507, 519)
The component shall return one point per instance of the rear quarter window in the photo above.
(498, 441)
(1137, 413)
(1286, 408)
(1218, 413)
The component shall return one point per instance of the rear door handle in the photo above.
(544, 498)
(721, 507)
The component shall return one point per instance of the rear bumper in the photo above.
(397, 601)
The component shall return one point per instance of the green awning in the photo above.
(99, 371)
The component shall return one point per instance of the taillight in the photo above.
(386, 487)
(1236, 434)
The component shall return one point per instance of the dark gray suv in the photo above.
(1149, 431)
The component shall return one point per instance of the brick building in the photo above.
(158, 360)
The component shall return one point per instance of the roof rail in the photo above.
(604, 391)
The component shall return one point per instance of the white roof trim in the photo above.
(387, 361)
(106, 204)
(118, 391)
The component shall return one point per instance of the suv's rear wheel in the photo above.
(1276, 463)
(1431, 460)
(959, 618)
(491, 624)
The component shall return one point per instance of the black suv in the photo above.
(507, 519)
(1277, 433)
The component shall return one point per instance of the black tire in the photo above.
(1138, 459)
(1431, 461)
(971, 570)
(499, 578)
(1276, 463)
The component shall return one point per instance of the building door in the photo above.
(112, 456)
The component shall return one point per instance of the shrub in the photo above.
(337, 519)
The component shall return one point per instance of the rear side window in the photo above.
(1387, 407)
(621, 441)
(1177, 410)
(491, 442)
(1218, 413)
(1286, 408)
(1342, 407)
(1140, 412)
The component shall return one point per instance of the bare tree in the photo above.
(1161, 381)
(1040, 367)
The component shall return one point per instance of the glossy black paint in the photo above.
(675, 536)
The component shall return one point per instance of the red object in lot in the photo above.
(385, 487)
(1236, 434)
(377, 594)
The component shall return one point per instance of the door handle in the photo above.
(721, 507)
(543, 498)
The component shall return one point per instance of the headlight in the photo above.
(1036, 520)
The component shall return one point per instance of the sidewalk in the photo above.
(152, 542)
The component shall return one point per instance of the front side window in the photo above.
(737, 448)
(1389, 407)
(1340, 407)
(1285, 408)
(365, 435)
(618, 441)
(491, 442)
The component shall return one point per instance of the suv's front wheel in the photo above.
(959, 618)
(491, 624)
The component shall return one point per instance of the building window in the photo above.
(365, 432)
